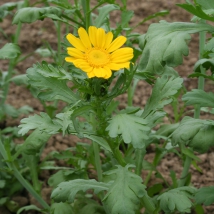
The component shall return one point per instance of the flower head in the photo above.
(96, 53)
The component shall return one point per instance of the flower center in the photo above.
(97, 57)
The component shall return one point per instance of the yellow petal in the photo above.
(117, 43)
(86, 67)
(84, 37)
(108, 72)
(79, 62)
(75, 42)
(108, 39)
(92, 31)
(100, 37)
(99, 72)
(118, 66)
(69, 59)
(75, 53)
(90, 74)
(122, 55)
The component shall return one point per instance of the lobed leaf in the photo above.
(125, 193)
(162, 91)
(61, 208)
(34, 142)
(66, 191)
(9, 51)
(205, 195)
(51, 82)
(32, 14)
(199, 97)
(132, 128)
(165, 44)
(206, 63)
(41, 122)
(103, 13)
(177, 199)
(195, 133)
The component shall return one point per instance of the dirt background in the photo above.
(34, 35)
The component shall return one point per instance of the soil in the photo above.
(34, 35)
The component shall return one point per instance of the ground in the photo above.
(34, 35)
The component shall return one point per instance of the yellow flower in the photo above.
(97, 54)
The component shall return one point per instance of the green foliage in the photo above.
(41, 122)
(7, 7)
(177, 199)
(32, 14)
(201, 9)
(61, 208)
(125, 193)
(162, 91)
(51, 83)
(9, 110)
(199, 97)
(9, 51)
(66, 191)
(132, 128)
(195, 133)
(34, 142)
(205, 195)
(165, 44)
(103, 13)
(205, 63)
(29, 207)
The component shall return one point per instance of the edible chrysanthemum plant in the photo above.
(103, 173)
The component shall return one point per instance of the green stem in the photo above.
(188, 160)
(148, 204)
(86, 9)
(130, 97)
(96, 151)
(185, 171)
(202, 39)
(140, 153)
(97, 161)
(20, 178)
(59, 41)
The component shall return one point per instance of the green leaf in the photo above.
(21, 79)
(99, 140)
(51, 83)
(61, 208)
(205, 195)
(9, 51)
(2, 183)
(132, 128)
(5, 8)
(103, 13)
(166, 43)
(199, 97)
(163, 89)
(34, 142)
(125, 17)
(41, 122)
(195, 133)
(125, 193)
(205, 63)
(177, 199)
(44, 52)
(64, 120)
(66, 191)
(32, 14)
(196, 10)
(65, 175)
(13, 112)
(29, 207)
(208, 4)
